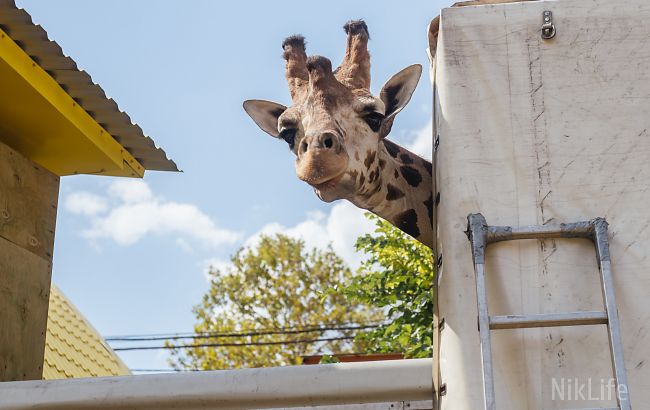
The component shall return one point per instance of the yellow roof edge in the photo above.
(122, 367)
(60, 100)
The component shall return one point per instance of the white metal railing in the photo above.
(273, 387)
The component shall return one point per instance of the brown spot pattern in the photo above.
(429, 204)
(393, 193)
(407, 221)
(427, 166)
(392, 148)
(376, 189)
(370, 158)
(406, 159)
(373, 175)
(411, 175)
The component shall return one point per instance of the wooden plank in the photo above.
(28, 203)
(24, 295)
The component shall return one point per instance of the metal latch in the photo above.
(548, 29)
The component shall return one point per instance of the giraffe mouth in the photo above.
(329, 184)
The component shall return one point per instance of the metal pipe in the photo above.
(614, 327)
(569, 230)
(477, 232)
(290, 386)
(548, 320)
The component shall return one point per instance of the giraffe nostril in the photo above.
(328, 142)
(304, 146)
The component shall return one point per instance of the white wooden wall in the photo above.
(536, 131)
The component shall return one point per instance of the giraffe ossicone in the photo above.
(337, 129)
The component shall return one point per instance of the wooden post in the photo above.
(28, 202)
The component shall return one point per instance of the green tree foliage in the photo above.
(277, 284)
(398, 277)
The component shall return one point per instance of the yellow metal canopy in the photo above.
(54, 114)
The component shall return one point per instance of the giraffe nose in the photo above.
(326, 141)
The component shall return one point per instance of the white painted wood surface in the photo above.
(535, 131)
(263, 388)
(396, 405)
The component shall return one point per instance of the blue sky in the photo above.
(131, 254)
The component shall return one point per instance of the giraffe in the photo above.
(337, 130)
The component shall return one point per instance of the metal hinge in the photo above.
(548, 28)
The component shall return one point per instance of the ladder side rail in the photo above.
(477, 234)
(484, 334)
(613, 328)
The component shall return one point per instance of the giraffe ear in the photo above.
(397, 92)
(265, 114)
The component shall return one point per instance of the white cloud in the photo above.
(213, 264)
(85, 203)
(422, 141)
(130, 191)
(184, 245)
(135, 213)
(130, 211)
(344, 225)
(341, 228)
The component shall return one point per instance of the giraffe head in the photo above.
(335, 125)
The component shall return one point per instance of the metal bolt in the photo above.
(548, 28)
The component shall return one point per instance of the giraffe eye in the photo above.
(289, 135)
(374, 120)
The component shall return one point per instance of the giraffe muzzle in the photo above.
(327, 141)
(321, 159)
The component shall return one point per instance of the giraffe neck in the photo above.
(400, 191)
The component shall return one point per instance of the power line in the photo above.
(285, 328)
(214, 335)
(194, 346)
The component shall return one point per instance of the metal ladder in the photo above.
(481, 235)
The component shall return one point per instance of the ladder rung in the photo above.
(509, 233)
(548, 320)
